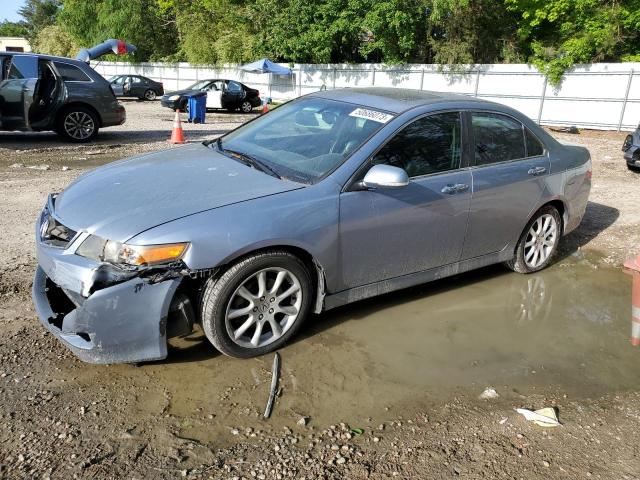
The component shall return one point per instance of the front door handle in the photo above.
(452, 189)
(537, 171)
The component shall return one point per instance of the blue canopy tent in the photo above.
(265, 65)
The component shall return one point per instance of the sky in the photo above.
(9, 9)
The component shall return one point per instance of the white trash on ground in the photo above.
(545, 417)
(489, 393)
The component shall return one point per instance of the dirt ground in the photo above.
(385, 388)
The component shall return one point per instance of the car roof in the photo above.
(47, 57)
(397, 100)
(220, 80)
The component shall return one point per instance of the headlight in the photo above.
(174, 97)
(103, 250)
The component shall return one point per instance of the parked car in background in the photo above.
(331, 198)
(136, 86)
(631, 149)
(41, 92)
(228, 94)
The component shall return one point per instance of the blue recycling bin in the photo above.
(197, 107)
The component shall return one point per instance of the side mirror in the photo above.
(385, 176)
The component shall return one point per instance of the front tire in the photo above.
(257, 305)
(78, 125)
(539, 241)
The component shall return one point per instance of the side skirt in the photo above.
(385, 286)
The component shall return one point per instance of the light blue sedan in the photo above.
(329, 199)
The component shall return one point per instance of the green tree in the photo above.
(398, 30)
(313, 32)
(54, 40)
(472, 31)
(37, 15)
(558, 34)
(139, 22)
(12, 29)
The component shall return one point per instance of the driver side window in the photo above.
(429, 145)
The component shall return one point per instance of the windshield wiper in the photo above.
(249, 160)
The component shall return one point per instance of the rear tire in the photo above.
(256, 305)
(539, 241)
(150, 95)
(246, 107)
(77, 124)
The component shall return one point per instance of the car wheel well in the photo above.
(70, 106)
(560, 207)
(312, 265)
(308, 260)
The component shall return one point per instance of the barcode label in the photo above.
(371, 115)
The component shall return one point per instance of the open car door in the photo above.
(49, 95)
(214, 97)
(18, 84)
(30, 92)
(117, 86)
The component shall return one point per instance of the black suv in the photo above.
(39, 92)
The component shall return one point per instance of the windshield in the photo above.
(305, 139)
(199, 85)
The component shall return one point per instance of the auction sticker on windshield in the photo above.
(371, 115)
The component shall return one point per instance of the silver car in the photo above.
(329, 199)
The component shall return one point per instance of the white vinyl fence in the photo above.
(602, 96)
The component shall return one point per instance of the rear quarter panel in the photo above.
(570, 181)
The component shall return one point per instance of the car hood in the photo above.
(122, 199)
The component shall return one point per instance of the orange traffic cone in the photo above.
(632, 266)
(177, 135)
(265, 106)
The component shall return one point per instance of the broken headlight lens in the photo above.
(103, 250)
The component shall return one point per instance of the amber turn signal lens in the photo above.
(150, 254)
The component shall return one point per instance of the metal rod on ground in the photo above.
(275, 376)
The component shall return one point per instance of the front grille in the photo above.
(54, 233)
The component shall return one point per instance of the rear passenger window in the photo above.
(498, 138)
(428, 145)
(71, 73)
(534, 147)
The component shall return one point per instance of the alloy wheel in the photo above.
(79, 125)
(150, 95)
(541, 240)
(263, 308)
(246, 107)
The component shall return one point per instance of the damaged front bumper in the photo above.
(101, 313)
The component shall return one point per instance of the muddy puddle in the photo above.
(566, 329)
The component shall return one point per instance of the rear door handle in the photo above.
(452, 189)
(537, 171)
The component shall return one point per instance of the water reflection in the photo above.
(566, 326)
